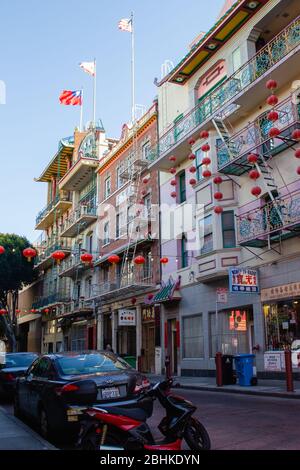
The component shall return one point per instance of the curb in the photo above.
(289, 395)
(46, 445)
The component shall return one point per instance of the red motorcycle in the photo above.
(115, 428)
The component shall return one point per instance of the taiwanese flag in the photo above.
(73, 98)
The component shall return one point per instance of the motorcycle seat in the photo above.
(135, 413)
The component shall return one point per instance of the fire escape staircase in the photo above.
(262, 166)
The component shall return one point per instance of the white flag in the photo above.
(125, 25)
(88, 67)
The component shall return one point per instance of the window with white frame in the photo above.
(193, 338)
(107, 187)
(106, 233)
(120, 169)
(146, 150)
(206, 235)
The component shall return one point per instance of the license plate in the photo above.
(106, 393)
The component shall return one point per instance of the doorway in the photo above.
(148, 347)
(173, 345)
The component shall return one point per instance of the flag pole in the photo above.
(132, 70)
(81, 111)
(94, 95)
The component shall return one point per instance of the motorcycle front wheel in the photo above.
(196, 436)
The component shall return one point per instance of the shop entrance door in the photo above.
(148, 346)
(172, 349)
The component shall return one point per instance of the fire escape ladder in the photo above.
(137, 167)
(225, 136)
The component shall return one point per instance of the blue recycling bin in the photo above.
(244, 368)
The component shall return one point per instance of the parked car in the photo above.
(16, 364)
(57, 386)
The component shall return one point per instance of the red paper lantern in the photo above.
(18, 311)
(164, 260)
(218, 209)
(173, 194)
(29, 253)
(86, 258)
(33, 310)
(2, 250)
(139, 260)
(256, 191)
(254, 174)
(193, 169)
(150, 296)
(271, 84)
(192, 181)
(173, 182)
(272, 100)
(274, 132)
(218, 195)
(298, 170)
(192, 156)
(114, 259)
(143, 192)
(191, 141)
(58, 256)
(206, 161)
(205, 148)
(297, 153)
(133, 300)
(173, 171)
(172, 158)
(273, 116)
(252, 158)
(145, 180)
(204, 135)
(206, 174)
(296, 134)
(46, 310)
(3, 311)
(218, 180)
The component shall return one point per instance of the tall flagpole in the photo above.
(94, 94)
(81, 111)
(132, 71)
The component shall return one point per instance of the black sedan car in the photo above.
(57, 386)
(16, 364)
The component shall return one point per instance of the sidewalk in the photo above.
(15, 435)
(268, 388)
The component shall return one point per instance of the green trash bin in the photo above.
(131, 360)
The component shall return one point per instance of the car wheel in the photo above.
(44, 427)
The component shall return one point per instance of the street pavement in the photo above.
(238, 422)
(16, 435)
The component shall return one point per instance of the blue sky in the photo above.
(41, 46)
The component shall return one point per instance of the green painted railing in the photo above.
(272, 217)
(279, 47)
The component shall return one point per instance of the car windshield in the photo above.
(81, 364)
(19, 360)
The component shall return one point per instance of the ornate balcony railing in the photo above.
(282, 216)
(254, 137)
(56, 297)
(287, 40)
(43, 213)
(77, 214)
(46, 248)
(139, 278)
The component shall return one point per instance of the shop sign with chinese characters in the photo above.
(126, 317)
(281, 292)
(148, 313)
(243, 280)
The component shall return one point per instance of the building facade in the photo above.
(129, 265)
(214, 111)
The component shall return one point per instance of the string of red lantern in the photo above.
(58, 256)
(218, 180)
(29, 253)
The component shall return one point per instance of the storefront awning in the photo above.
(167, 293)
